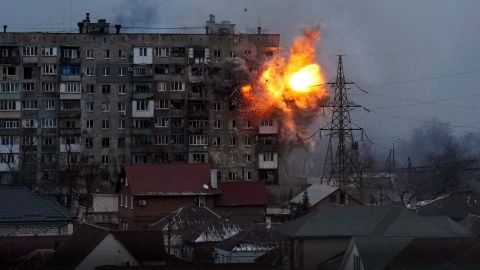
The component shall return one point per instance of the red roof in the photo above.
(170, 179)
(242, 194)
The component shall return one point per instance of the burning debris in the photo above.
(289, 88)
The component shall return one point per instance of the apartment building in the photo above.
(112, 98)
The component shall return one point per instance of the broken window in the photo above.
(178, 52)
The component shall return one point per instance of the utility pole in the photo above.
(341, 167)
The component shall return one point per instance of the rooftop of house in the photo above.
(256, 238)
(316, 193)
(243, 193)
(19, 204)
(144, 245)
(346, 221)
(457, 206)
(438, 253)
(170, 179)
(196, 225)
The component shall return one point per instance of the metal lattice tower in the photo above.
(341, 167)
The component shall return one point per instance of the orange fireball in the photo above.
(289, 86)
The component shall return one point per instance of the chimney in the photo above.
(117, 28)
(212, 18)
(80, 27)
(213, 178)
(4, 28)
(259, 30)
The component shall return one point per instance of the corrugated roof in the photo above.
(245, 193)
(19, 204)
(316, 193)
(338, 221)
(144, 245)
(377, 252)
(170, 179)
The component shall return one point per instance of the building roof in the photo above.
(14, 247)
(19, 204)
(472, 222)
(256, 238)
(316, 193)
(346, 221)
(377, 252)
(457, 206)
(144, 246)
(242, 194)
(170, 179)
(438, 253)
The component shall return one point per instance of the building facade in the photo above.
(106, 98)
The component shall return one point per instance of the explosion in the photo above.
(289, 88)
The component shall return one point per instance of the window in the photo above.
(269, 156)
(122, 89)
(89, 124)
(30, 51)
(198, 139)
(7, 140)
(121, 123)
(198, 157)
(89, 71)
(29, 123)
(162, 104)
(105, 88)
(49, 122)
(7, 158)
(232, 176)
(216, 54)
(28, 86)
(233, 141)
(232, 124)
(105, 142)
(161, 139)
(215, 140)
(105, 107)
(49, 87)
(49, 51)
(106, 71)
(178, 52)
(142, 105)
(90, 88)
(105, 53)
(161, 122)
(70, 87)
(121, 142)
(143, 140)
(29, 104)
(177, 86)
(49, 104)
(248, 124)
(122, 107)
(162, 52)
(122, 71)
(161, 69)
(49, 69)
(249, 175)
(10, 124)
(122, 53)
(105, 124)
(89, 106)
(88, 142)
(104, 160)
(70, 53)
(9, 87)
(9, 71)
(162, 86)
(216, 124)
(216, 106)
(90, 54)
(267, 123)
(142, 123)
(177, 139)
(143, 51)
(247, 140)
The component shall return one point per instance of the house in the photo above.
(28, 222)
(248, 245)
(101, 209)
(191, 232)
(92, 246)
(242, 201)
(321, 195)
(438, 253)
(326, 233)
(457, 206)
(151, 192)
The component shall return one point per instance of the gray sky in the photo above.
(418, 59)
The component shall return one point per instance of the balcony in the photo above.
(70, 131)
(70, 96)
(64, 148)
(10, 60)
(268, 160)
(69, 113)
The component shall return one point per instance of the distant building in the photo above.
(91, 246)
(322, 195)
(105, 99)
(457, 205)
(151, 192)
(29, 222)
